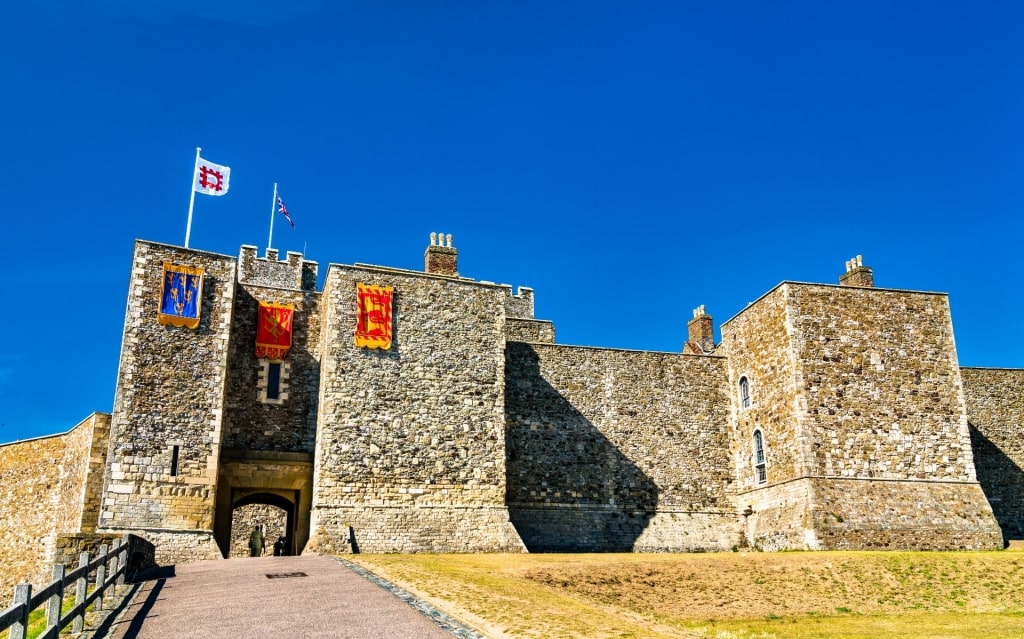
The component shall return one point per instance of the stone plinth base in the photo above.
(177, 547)
(865, 514)
(379, 529)
(572, 528)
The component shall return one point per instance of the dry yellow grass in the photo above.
(729, 595)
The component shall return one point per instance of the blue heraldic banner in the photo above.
(181, 295)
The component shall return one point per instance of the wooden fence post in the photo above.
(122, 562)
(55, 601)
(22, 595)
(81, 590)
(114, 562)
(101, 576)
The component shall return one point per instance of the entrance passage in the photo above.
(273, 523)
(266, 489)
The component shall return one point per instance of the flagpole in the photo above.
(273, 203)
(192, 200)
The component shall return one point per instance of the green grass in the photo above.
(37, 618)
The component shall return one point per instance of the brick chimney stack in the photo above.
(857, 274)
(701, 333)
(441, 258)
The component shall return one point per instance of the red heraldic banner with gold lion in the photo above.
(274, 330)
(373, 323)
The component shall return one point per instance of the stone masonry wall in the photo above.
(97, 458)
(410, 442)
(995, 411)
(879, 383)
(524, 330)
(291, 273)
(865, 514)
(875, 393)
(271, 519)
(170, 393)
(289, 426)
(519, 305)
(757, 345)
(618, 450)
(43, 483)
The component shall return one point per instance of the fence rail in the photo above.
(109, 567)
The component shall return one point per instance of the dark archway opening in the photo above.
(273, 513)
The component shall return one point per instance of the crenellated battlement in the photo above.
(292, 272)
(520, 304)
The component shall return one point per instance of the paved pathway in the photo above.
(294, 597)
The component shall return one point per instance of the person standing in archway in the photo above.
(256, 542)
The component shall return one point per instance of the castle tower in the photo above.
(270, 407)
(410, 438)
(850, 422)
(161, 471)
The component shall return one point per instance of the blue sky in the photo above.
(680, 153)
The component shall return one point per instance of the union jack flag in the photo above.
(284, 211)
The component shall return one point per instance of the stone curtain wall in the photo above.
(995, 411)
(97, 459)
(410, 442)
(42, 486)
(618, 450)
(170, 392)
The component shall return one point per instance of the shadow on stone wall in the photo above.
(569, 488)
(249, 423)
(1002, 480)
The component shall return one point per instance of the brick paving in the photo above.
(302, 597)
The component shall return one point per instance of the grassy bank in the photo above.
(848, 595)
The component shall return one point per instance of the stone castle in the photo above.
(426, 411)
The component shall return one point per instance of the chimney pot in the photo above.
(440, 259)
(857, 274)
(701, 330)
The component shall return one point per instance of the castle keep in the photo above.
(398, 410)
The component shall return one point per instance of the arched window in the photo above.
(744, 393)
(759, 463)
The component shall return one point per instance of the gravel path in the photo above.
(294, 597)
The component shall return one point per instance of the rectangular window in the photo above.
(274, 380)
(174, 461)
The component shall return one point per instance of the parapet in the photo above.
(519, 305)
(292, 272)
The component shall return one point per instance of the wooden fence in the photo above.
(109, 568)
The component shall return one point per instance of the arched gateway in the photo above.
(279, 480)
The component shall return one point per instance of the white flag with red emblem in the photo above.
(210, 178)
